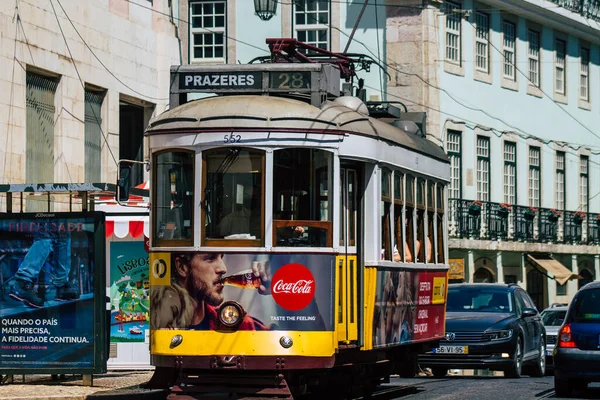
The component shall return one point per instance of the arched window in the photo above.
(483, 275)
(586, 277)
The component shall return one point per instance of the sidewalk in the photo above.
(112, 385)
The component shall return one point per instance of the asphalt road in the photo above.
(476, 388)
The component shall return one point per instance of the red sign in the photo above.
(293, 287)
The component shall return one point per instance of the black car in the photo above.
(577, 352)
(490, 326)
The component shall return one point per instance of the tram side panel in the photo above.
(293, 316)
(404, 306)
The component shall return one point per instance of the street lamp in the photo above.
(265, 9)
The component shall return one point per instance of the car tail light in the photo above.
(565, 339)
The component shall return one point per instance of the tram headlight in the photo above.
(231, 314)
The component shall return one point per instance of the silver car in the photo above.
(552, 318)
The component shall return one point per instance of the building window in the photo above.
(482, 35)
(560, 180)
(510, 172)
(534, 58)
(483, 168)
(207, 31)
(561, 290)
(584, 75)
(311, 22)
(584, 194)
(559, 64)
(453, 28)
(534, 176)
(453, 147)
(40, 94)
(509, 47)
(93, 135)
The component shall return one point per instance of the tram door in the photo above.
(346, 268)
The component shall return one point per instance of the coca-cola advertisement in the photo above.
(274, 291)
(409, 306)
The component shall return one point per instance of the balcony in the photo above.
(497, 221)
(587, 8)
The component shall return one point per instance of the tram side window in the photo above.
(233, 197)
(398, 218)
(409, 217)
(430, 220)
(424, 248)
(439, 199)
(386, 209)
(174, 199)
(301, 197)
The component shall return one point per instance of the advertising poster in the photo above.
(47, 317)
(276, 291)
(409, 306)
(129, 292)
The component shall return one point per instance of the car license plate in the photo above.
(451, 350)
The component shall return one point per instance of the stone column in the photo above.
(597, 267)
(470, 267)
(523, 281)
(551, 283)
(499, 268)
(572, 283)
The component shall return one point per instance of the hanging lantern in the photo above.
(265, 9)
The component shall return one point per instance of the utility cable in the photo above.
(81, 80)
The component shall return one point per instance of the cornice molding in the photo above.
(557, 17)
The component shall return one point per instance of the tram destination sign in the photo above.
(220, 80)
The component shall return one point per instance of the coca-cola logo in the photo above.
(293, 287)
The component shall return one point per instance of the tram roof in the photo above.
(253, 112)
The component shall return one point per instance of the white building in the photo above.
(79, 82)
(512, 90)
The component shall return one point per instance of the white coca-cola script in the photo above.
(300, 286)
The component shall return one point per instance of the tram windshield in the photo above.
(173, 205)
(301, 214)
(233, 194)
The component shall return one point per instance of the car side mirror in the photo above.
(529, 312)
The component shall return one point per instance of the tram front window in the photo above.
(173, 205)
(301, 202)
(233, 196)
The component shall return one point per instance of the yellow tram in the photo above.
(298, 237)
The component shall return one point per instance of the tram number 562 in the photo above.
(231, 138)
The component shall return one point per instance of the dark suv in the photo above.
(490, 326)
(577, 352)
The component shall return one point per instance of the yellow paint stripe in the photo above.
(369, 306)
(249, 343)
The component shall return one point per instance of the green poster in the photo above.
(129, 292)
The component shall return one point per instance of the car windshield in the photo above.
(479, 299)
(587, 306)
(553, 317)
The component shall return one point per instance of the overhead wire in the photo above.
(80, 79)
(100, 61)
(539, 87)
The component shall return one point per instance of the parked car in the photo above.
(552, 318)
(577, 352)
(490, 326)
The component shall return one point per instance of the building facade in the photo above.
(80, 81)
(512, 89)
(231, 32)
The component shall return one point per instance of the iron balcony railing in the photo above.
(498, 221)
(587, 8)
